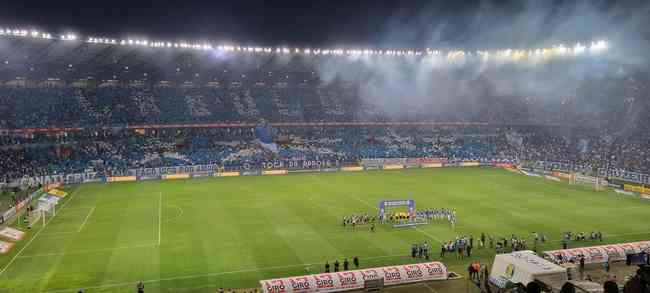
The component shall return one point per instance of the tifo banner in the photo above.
(175, 176)
(172, 170)
(596, 254)
(122, 179)
(52, 179)
(351, 169)
(274, 172)
(354, 280)
(227, 174)
(298, 164)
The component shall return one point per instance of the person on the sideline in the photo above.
(327, 267)
(140, 287)
(336, 265)
(346, 264)
(355, 260)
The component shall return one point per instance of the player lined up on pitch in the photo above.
(437, 215)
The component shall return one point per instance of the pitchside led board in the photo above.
(383, 205)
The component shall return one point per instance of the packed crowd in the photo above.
(112, 151)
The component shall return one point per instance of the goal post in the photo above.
(581, 179)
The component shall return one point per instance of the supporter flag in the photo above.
(265, 133)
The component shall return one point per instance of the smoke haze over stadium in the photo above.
(400, 89)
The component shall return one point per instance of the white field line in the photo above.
(89, 251)
(429, 287)
(38, 232)
(428, 234)
(86, 219)
(59, 233)
(160, 219)
(211, 274)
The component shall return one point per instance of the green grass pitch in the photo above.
(199, 235)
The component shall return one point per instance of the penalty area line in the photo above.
(160, 219)
(86, 219)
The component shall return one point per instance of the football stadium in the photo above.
(174, 164)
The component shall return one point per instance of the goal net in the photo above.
(580, 179)
(44, 210)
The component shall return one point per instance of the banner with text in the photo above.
(354, 280)
(596, 254)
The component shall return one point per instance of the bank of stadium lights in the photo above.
(451, 55)
(22, 33)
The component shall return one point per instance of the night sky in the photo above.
(375, 23)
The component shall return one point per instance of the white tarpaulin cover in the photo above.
(596, 254)
(354, 280)
(525, 266)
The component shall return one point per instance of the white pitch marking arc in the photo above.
(86, 219)
(180, 214)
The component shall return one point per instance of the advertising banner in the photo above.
(469, 164)
(122, 179)
(250, 173)
(393, 167)
(48, 187)
(175, 176)
(596, 254)
(148, 177)
(561, 175)
(351, 169)
(304, 171)
(274, 172)
(432, 160)
(636, 188)
(227, 174)
(431, 165)
(5, 246)
(201, 174)
(329, 169)
(354, 280)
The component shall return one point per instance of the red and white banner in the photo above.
(596, 254)
(354, 280)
